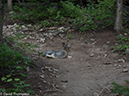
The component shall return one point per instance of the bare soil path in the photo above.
(88, 72)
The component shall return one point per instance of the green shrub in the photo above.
(70, 10)
(91, 17)
(122, 45)
(10, 57)
(12, 66)
(121, 89)
(100, 14)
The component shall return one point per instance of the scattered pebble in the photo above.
(121, 60)
(44, 81)
(52, 28)
(61, 35)
(95, 94)
(25, 38)
(61, 28)
(42, 76)
(124, 66)
(120, 65)
(55, 70)
(29, 25)
(51, 37)
(69, 56)
(66, 29)
(127, 65)
(9, 26)
(120, 35)
(127, 51)
(91, 55)
(41, 30)
(108, 42)
(105, 46)
(42, 40)
(115, 65)
(64, 85)
(61, 31)
(28, 69)
(125, 70)
(23, 26)
(49, 32)
(92, 39)
(64, 81)
(105, 55)
(94, 43)
(125, 34)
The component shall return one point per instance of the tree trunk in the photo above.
(10, 5)
(118, 23)
(1, 18)
(81, 3)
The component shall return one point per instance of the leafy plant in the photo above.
(122, 39)
(10, 57)
(91, 17)
(122, 46)
(45, 23)
(12, 67)
(86, 41)
(70, 10)
(24, 45)
(11, 12)
(69, 36)
(56, 23)
(121, 89)
(100, 14)
(28, 47)
(18, 88)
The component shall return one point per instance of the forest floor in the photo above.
(90, 71)
(87, 73)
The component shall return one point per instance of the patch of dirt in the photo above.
(88, 72)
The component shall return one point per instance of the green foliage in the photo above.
(69, 35)
(11, 12)
(122, 46)
(121, 89)
(10, 57)
(34, 13)
(24, 45)
(86, 41)
(12, 65)
(18, 88)
(28, 47)
(46, 23)
(100, 14)
(54, 14)
(69, 10)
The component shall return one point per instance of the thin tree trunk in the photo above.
(81, 3)
(1, 18)
(118, 23)
(10, 5)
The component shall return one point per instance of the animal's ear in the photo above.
(63, 44)
(66, 45)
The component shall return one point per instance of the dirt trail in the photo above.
(86, 73)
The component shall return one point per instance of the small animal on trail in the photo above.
(59, 54)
